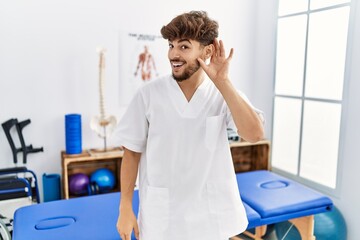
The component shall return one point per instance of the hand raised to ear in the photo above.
(218, 68)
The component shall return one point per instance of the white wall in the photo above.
(348, 201)
(264, 60)
(49, 64)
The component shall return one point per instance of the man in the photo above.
(174, 133)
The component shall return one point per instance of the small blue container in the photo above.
(73, 133)
(51, 187)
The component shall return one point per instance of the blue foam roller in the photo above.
(73, 133)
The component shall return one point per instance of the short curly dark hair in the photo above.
(194, 25)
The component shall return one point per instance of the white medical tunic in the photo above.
(187, 183)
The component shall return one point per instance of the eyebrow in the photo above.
(182, 40)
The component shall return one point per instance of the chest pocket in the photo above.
(215, 131)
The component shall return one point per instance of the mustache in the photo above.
(177, 59)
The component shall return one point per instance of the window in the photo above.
(309, 79)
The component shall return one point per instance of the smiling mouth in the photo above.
(177, 65)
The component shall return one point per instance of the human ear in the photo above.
(209, 49)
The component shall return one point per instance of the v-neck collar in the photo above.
(189, 109)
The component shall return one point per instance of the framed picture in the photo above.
(142, 59)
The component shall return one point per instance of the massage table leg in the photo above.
(259, 233)
(305, 226)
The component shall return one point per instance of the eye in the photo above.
(171, 46)
(184, 47)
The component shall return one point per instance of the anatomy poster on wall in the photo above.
(142, 59)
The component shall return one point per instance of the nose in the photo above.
(173, 54)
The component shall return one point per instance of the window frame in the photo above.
(343, 102)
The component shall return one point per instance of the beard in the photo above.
(188, 72)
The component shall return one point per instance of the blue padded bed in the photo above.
(268, 198)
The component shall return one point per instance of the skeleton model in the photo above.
(103, 125)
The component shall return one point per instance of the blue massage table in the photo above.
(268, 198)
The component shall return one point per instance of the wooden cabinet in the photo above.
(87, 162)
(250, 156)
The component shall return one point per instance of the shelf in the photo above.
(250, 156)
(89, 161)
(246, 157)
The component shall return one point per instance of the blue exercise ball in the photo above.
(104, 178)
(328, 226)
(78, 183)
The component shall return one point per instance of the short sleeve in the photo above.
(229, 119)
(132, 129)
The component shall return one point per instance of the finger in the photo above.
(216, 47)
(202, 64)
(136, 231)
(128, 236)
(231, 54)
(125, 236)
(221, 49)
